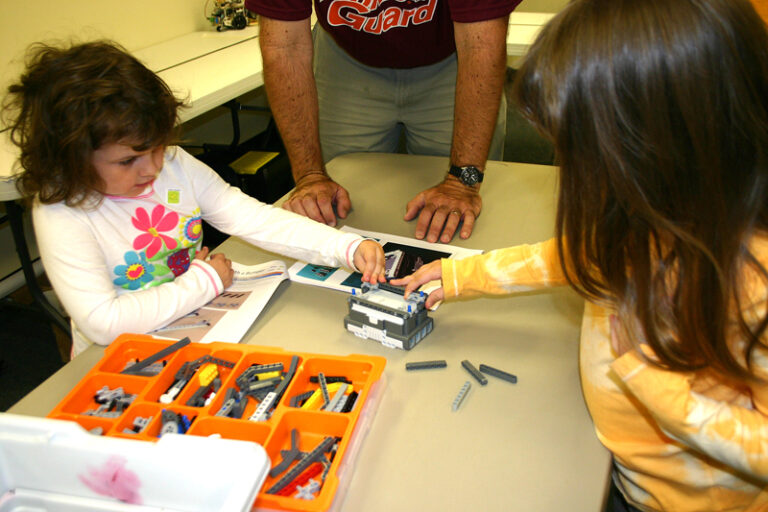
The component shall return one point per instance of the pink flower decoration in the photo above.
(153, 239)
(114, 480)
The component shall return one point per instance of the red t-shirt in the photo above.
(389, 33)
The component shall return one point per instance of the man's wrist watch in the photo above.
(469, 175)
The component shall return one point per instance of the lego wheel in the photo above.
(239, 22)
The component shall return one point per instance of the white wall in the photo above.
(133, 23)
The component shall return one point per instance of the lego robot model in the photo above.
(381, 313)
(228, 15)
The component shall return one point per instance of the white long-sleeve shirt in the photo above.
(127, 264)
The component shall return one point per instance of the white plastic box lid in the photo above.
(55, 465)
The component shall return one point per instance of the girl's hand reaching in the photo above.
(369, 259)
(220, 263)
(425, 274)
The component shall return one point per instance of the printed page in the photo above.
(404, 257)
(229, 316)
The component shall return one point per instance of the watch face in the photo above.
(469, 176)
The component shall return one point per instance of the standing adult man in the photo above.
(433, 69)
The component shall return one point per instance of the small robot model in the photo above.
(382, 314)
(228, 15)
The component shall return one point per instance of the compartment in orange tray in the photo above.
(137, 421)
(256, 376)
(177, 420)
(230, 429)
(94, 425)
(290, 482)
(230, 403)
(135, 348)
(346, 378)
(103, 395)
(166, 388)
(209, 379)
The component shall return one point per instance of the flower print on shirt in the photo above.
(191, 229)
(136, 272)
(179, 261)
(152, 238)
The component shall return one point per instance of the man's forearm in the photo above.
(286, 49)
(481, 51)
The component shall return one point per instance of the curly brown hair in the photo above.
(72, 100)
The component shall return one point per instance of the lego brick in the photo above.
(498, 373)
(474, 372)
(170, 349)
(313, 456)
(388, 338)
(426, 365)
(382, 313)
(460, 396)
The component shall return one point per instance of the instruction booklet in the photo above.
(229, 315)
(403, 257)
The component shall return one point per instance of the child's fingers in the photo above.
(412, 286)
(411, 283)
(379, 266)
(434, 297)
(202, 253)
(425, 274)
(369, 259)
(373, 269)
(405, 281)
(370, 269)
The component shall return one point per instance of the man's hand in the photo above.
(315, 196)
(442, 208)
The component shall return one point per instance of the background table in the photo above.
(207, 68)
(528, 446)
(523, 29)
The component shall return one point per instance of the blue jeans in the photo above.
(365, 109)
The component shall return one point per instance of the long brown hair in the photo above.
(658, 110)
(72, 100)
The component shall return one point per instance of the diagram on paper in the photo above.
(229, 315)
(403, 257)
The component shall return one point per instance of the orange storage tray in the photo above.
(313, 425)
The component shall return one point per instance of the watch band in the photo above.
(469, 175)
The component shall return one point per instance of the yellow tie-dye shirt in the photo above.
(681, 441)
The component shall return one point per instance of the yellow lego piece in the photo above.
(316, 400)
(206, 374)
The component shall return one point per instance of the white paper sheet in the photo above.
(229, 316)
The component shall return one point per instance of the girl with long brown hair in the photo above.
(658, 110)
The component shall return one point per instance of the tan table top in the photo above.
(529, 446)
